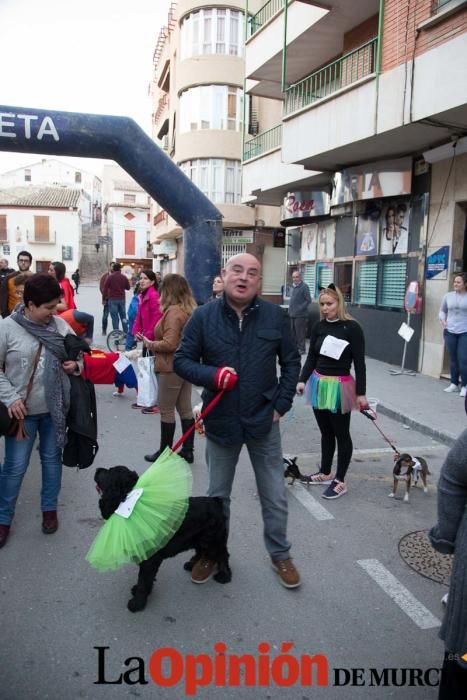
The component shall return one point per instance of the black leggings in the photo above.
(334, 427)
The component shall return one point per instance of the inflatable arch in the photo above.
(28, 130)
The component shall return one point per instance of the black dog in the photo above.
(293, 472)
(203, 529)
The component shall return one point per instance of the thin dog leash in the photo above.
(372, 416)
(208, 408)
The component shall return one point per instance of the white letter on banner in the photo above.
(47, 128)
(5, 123)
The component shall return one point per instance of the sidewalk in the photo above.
(417, 401)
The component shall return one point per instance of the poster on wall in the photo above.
(394, 237)
(437, 263)
(368, 225)
(326, 240)
(67, 252)
(309, 236)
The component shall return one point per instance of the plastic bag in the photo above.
(147, 382)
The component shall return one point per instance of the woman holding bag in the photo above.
(35, 388)
(177, 305)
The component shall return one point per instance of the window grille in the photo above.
(366, 283)
(309, 277)
(393, 283)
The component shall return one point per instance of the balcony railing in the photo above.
(339, 74)
(271, 8)
(262, 143)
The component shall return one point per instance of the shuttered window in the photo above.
(3, 233)
(41, 228)
(324, 276)
(309, 277)
(393, 283)
(273, 270)
(366, 282)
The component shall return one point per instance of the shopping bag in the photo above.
(147, 382)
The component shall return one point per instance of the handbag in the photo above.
(11, 426)
(147, 382)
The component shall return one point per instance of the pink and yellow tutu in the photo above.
(335, 394)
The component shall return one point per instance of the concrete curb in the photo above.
(440, 435)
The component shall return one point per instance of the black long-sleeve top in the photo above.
(354, 352)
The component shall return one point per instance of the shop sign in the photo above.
(302, 205)
(235, 236)
(373, 181)
(167, 247)
(437, 263)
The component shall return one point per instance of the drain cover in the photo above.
(416, 550)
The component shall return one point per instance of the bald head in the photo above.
(242, 280)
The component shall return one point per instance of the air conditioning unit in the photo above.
(165, 142)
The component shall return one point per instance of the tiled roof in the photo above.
(50, 197)
(128, 185)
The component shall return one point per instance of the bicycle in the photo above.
(116, 341)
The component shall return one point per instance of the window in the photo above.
(77, 177)
(41, 229)
(27, 175)
(324, 276)
(343, 279)
(211, 107)
(440, 5)
(130, 243)
(129, 198)
(309, 277)
(218, 179)
(3, 231)
(393, 283)
(212, 31)
(381, 282)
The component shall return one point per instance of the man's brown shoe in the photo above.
(202, 570)
(288, 574)
(49, 522)
(4, 532)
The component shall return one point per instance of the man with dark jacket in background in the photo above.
(300, 301)
(234, 343)
(105, 302)
(115, 287)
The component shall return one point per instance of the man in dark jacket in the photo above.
(300, 300)
(114, 290)
(233, 343)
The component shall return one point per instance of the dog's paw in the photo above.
(134, 589)
(391, 495)
(223, 576)
(137, 603)
(425, 490)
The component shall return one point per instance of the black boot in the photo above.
(167, 436)
(187, 448)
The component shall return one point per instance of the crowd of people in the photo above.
(238, 344)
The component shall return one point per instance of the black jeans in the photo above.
(334, 427)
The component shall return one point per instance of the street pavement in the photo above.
(360, 605)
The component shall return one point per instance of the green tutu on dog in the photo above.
(151, 514)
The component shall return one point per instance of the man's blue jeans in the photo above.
(456, 344)
(17, 456)
(117, 309)
(267, 462)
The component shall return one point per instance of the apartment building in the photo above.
(198, 118)
(362, 108)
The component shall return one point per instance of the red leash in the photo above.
(208, 408)
(372, 416)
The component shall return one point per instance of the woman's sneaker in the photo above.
(335, 490)
(319, 478)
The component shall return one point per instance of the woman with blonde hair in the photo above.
(177, 305)
(336, 341)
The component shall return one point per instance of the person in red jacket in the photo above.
(58, 270)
